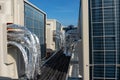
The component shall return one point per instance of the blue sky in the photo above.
(65, 11)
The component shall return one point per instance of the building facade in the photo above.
(53, 30)
(35, 21)
(101, 39)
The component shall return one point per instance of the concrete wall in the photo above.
(49, 37)
(49, 33)
(84, 53)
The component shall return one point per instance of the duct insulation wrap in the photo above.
(29, 45)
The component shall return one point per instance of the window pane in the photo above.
(110, 43)
(96, 3)
(109, 14)
(98, 43)
(110, 71)
(110, 57)
(109, 28)
(99, 57)
(97, 15)
(108, 3)
(98, 29)
(34, 21)
(98, 71)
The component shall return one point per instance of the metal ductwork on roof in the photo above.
(25, 44)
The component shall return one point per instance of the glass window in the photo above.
(110, 57)
(98, 29)
(110, 71)
(98, 71)
(58, 26)
(42, 40)
(109, 28)
(98, 43)
(108, 3)
(110, 43)
(96, 3)
(99, 57)
(109, 14)
(117, 2)
(97, 15)
(35, 22)
(36, 31)
(31, 29)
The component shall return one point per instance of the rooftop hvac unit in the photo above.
(24, 48)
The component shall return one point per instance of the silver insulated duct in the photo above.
(29, 48)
